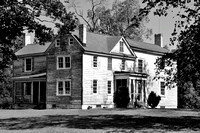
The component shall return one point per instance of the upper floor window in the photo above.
(109, 63)
(71, 41)
(28, 64)
(140, 66)
(109, 87)
(64, 87)
(94, 86)
(123, 64)
(162, 88)
(121, 46)
(94, 61)
(57, 43)
(63, 62)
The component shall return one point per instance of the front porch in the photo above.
(30, 92)
(136, 83)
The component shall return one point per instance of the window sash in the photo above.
(67, 87)
(123, 64)
(94, 86)
(140, 65)
(121, 46)
(109, 63)
(162, 88)
(28, 64)
(109, 87)
(71, 41)
(57, 43)
(94, 61)
(64, 87)
(67, 62)
(60, 87)
(60, 62)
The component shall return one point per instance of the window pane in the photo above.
(28, 64)
(60, 62)
(71, 41)
(121, 47)
(95, 61)
(140, 68)
(162, 87)
(58, 43)
(94, 86)
(109, 63)
(67, 62)
(123, 64)
(109, 87)
(60, 87)
(67, 87)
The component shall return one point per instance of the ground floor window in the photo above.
(162, 88)
(94, 86)
(109, 87)
(64, 87)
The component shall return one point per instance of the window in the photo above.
(63, 62)
(57, 43)
(28, 64)
(162, 88)
(94, 86)
(71, 41)
(109, 87)
(64, 87)
(109, 63)
(123, 65)
(140, 66)
(121, 46)
(94, 61)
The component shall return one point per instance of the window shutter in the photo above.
(23, 65)
(32, 64)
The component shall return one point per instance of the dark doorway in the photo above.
(121, 83)
(42, 92)
(35, 92)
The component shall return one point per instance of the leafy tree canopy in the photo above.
(122, 19)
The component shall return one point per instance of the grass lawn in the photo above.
(99, 120)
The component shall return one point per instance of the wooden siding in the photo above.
(170, 99)
(116, 49)
(74, 74)
(102, 75)
(39, 66)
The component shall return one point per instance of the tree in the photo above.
(187, 53)
(19, 15)
(121, 20)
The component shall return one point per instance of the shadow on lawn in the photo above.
(103, 122)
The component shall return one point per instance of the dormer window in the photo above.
(57, 43)
(71, 41)
(121, 46)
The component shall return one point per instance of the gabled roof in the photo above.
(33, 49)
(142, 46)
(99, 43)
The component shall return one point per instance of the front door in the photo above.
(139, 89)
(121, 83)
(35, 92)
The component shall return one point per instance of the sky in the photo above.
(163, 25)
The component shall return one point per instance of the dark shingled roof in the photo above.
(96, 43)
(33, 49)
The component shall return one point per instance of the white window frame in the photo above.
(57, 43)
(64, 62)
(138, 65)
(64, 87)
(121, 46)
(109, 63)
(94, 86)
(109, 87)
(123, 64)
(71, 41)
(162, 88)
(95, 61)
(25, 69)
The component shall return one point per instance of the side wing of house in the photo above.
(64, 73)
(29, 78)
(168, 96)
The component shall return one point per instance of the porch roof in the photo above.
(40, 75)
(132, 74)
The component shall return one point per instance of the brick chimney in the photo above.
(83, 33)
(159, 40)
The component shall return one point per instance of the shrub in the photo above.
(121, 97)
(153, 100)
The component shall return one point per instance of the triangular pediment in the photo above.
(122, 47)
